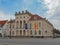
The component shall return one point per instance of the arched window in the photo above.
(35, 32)
(24, 32)
(16, 32)
(17, 24)
(28, 32)
(46, 32)
(24, 21)
(20, 32)
(20, 24)
(13, 26)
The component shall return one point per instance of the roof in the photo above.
(23, 13)
(35, 17)
(49, 22)
(12, 21)
(2, 22)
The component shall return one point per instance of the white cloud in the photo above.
(51, 5)
(27, 2)
(4, 16)
(53, 14)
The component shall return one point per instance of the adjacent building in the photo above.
(3, 27)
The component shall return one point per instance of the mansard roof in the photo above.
(49, 22)
(35, 17)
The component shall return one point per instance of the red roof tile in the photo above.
(2, 22)
(38, 17)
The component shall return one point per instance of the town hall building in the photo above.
(26, 24)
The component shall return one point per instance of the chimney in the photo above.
(19, 12)
(22, 12)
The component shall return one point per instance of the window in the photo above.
(4, 33)
(39, 24)
(13, 26)
(10, 25)
(28, 32)
(20, 32)
(7, 25)
(24, 16)
(39, 32)
(17, 32)
(45, 31)
(31, 32)
(35, 32)
(13, 32)
(27, 17)
(17, 24)
(35, 17)
(30, 26)
(24, 21)
(20, 24)
(23, 32)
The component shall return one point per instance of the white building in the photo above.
(3, 27)
(30, 25)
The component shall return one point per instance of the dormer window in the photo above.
(35, 17)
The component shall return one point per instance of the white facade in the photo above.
(44, 28)
(36, 26)
(3, 27)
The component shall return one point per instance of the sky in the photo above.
(49, 9)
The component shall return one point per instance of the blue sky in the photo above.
(49, 9)
(10, 6)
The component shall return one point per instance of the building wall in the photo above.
(22, 18)
(20, 25)
(47, 28)
(34, 29)
(43, 28)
